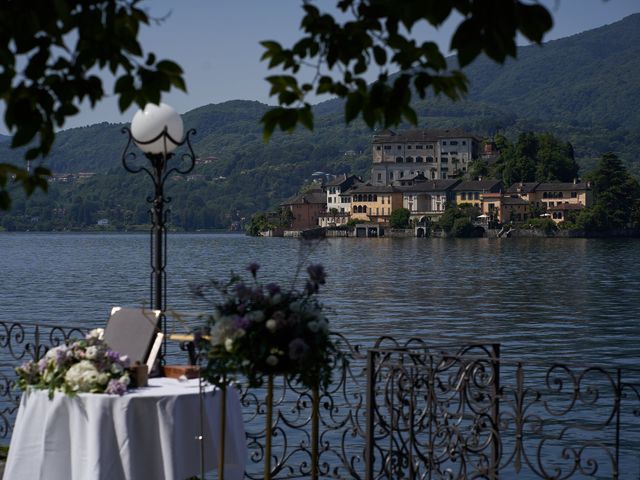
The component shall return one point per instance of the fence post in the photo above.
(371, 398)
(495, 413)
(618, 408)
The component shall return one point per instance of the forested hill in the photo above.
(584, 89)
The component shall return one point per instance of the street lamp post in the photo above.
(158, 131)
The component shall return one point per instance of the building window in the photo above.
(390, 175)
(408, 147)
(387, 147)
(418, 159)
(330, 200)
(418, 147)
(399, 147)
(464, 142)
(379, 177)
(574, 194)
(409, 159)
(476, 196)
(444, 142)
(377, 147)
(444, 160)
(399, 159)
(429, 159)
(453, 142)
(430, 147)
(463, 196)
(401, 174)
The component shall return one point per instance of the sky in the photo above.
(217, 44)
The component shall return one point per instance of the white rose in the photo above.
(271, 325)
(228, 344)
(91, 353)
(97, 333)
(116, 368)
(272, 360)
(81, 376)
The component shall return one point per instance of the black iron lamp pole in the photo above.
(159, 169)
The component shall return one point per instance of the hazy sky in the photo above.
(217, 44)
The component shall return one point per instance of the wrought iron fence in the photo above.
(419, 410)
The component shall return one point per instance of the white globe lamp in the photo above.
(149, 124)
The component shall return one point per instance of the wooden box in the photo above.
(177, 371)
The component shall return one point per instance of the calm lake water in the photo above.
(568, 299)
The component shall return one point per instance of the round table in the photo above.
(150, 432)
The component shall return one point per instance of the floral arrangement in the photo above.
(260, 329)
(86, 365)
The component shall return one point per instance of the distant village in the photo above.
(422, 171)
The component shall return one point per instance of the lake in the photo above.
(566, 300)
(569, 299)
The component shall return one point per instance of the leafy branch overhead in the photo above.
(379, 33)
(49, 53)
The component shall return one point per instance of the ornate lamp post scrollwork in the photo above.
(157, 131)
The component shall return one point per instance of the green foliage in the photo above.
(49, 54)
(535, 157)
(399, 218)
(457, 220)
(617, 198)
(374, 34)
(462, 228)
(545, 224)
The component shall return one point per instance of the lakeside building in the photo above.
(307, 208)
(337, 200)
(505, 209)
(471, 191)
(374, 203)
(436, 154)
(556, 198)
(427, 198)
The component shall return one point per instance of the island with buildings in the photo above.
(426, 172)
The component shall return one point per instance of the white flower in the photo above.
(91, 352)
(228, 344)
(271, 325)
(272, 360)
(116, 368)
(52, 354)
(97, 333)
(124, 379)
(82, 376)
(313, 326)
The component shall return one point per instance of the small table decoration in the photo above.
(85, 365)
(264, 330)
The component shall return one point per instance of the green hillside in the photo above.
(582, 89)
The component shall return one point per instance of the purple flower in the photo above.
(116, 387)
(42, 365)
(273, 288)
(242, 291)
(253, 267)
(297, 349)
(241, 322)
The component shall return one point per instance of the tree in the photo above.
(399, 218)
(49, 52)
(57, 76)
(378, 32)
(617, 197)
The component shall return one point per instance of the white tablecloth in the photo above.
(148, 433)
